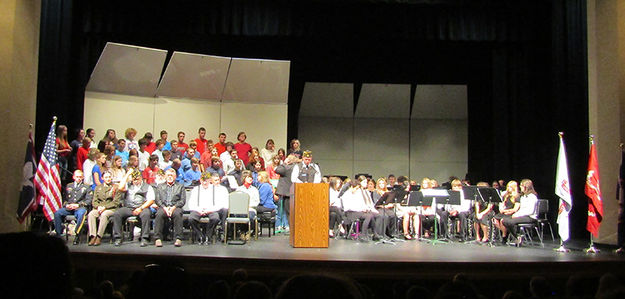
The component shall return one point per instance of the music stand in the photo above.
(490, 196)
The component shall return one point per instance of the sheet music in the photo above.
(232, 181)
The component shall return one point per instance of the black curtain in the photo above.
(524, 63)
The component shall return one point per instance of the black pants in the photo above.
(389, 221)
(365, 217)
(442, 223)
(511, 223)
(122, 214)
(462, 217)
(214, 218)
(336, 216)
(159, 223)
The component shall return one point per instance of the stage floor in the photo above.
(356, 259)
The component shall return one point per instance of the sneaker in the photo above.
(178, 243)
(76, 240)
(158, 243)
(144, 243)
(331, 233)
(118, 242)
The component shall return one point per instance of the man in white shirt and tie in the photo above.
(209, 199)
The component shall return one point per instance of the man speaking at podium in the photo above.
(306, 171)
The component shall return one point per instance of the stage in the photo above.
(358, 260)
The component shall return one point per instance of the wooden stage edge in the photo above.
(356, 260)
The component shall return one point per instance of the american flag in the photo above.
(47, 180)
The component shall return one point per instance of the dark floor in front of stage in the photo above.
(342, 250)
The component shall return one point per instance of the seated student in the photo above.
(166, 161)
(149, 173)
(117, 170)
(227, 160)
(170, 199)
(150, 146)
(138, 197)
(209, 199)
(237, 172)
(257, 168)
(507, 207)
(143, 154)
(82, 154)
(158, 151)
(106, 200)
(215, 168)
(336, 206)
(460, 212)
(407, 213)
(193, 145)
(121, 144)
(175, 154)
(133, 162)
(186, 160)
(205, 158)
(131, 143)
(255, 157)
(98, 169)
(77, 200)
(526, 210)
(385, 204)
(166, 144)
(192, 176)
(483, 214)
(359, 206)
(384, 216)
(266, 196)
(251, 191)
(177, 166)
(427, 214)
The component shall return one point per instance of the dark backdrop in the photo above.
(524, 63)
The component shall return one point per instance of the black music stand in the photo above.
(429, 199)
(490, 196)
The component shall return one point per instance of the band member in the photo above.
(460, 212)
(483, 214)
(528, 205)
(358, 205)
(507, 207)
(209, 199)
(170, 198)
(336, 206)
(77, 201)
(139, 196)
(106, 200)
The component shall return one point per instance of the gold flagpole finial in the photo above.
(54, 118)
(560, 134)
(621, 145)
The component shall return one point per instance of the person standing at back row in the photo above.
(221, 145)
(243, 148)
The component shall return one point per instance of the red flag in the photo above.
(47, 180)
(593, 191)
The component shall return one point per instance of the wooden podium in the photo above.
(310, 212)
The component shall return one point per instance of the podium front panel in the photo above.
(309, 219)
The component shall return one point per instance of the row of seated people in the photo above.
(380, 207)
(134, 197)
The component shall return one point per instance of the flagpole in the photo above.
(592, 248)
(562, 248)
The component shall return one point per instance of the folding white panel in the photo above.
(126, 69)
(174, 115)
(104, 111)
(440, 102)
(331, 141)
(259, 122)
(257, 81)
(384, 101)
(194, 76)
(327, 100)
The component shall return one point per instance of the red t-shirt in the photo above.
(205, 159)
(149, 175)
(243, 150)
(220, 148)
(81, 157)
(182, 148)
(202, 144)
(150, 147)
(62, 144)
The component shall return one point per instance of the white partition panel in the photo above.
(259, 121)
(440, 102)
(384, 101)
(331, 141)
(104, 111)
(194, 76)
(126, 69)
(327, 100)
(381, 146)
(257, 81)
(438, 148)
(174, 115)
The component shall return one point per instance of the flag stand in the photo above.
(592, 248)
